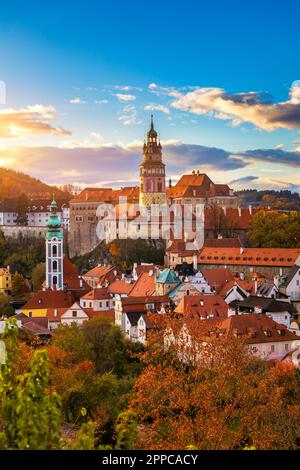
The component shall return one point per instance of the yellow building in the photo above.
(5, 281)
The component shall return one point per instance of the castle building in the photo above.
(152, 171)
(195, 188)
(54, 251)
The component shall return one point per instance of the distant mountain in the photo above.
(13, 183)
(281, 200)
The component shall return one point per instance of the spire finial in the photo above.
(152, 125)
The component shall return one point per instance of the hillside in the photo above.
(13, 183)
(281, 200)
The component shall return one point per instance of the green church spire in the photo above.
(54, 224)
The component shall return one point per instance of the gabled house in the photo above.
(100, 275)
(129, 309)
(291, 284)
(98, 299)
(202, 306)
(280, 311)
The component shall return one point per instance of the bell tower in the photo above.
(54, 251)
(152, 171)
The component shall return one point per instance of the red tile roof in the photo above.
(119, 286)
(202, 306)
(247, 286)
(99, 293)
(217, 277)
(106, 195)
(145, 285)
(254, 328)
(49, 299)
(197, 185)
(249, 256)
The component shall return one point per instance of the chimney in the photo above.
(151, 272)
(224, 210)
(240, 211)
(55, 312)
(250, 209)
(242, 276)
(241, 250)
(80, 282)
(255, 285)
(8, 268)
(195, 262)
(220, 236)
(202, 303)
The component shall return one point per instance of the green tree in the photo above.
(19, 285)
(5, 306)
(30, 414)
(38, 276)
(274, 229)
(126, 252)
(71, 339)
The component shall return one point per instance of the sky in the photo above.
(79, 80)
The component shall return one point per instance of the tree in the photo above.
(38, 276)
(125, 253)
(275, 230)
(30, 414)
(22, 209)
(19, 285)
(71, 339)
(207, 391)
(5, 305)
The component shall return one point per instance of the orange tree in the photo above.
(202, 388)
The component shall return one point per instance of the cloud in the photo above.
(243, 180)
(129, 116)
(101, 101)
(278, 155)
(252, 107)
(30, 120)
(89, 162)
(125, 97)
(157, 107)
(96, 135)
(77, 101)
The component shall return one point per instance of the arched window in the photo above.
(54, 250)
(54, 266)
(54, 280)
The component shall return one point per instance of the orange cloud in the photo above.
(30, 120)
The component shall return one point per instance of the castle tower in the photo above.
(54, 251)
(152, 171)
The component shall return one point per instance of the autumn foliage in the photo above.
(208, 392)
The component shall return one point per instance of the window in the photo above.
(74, 313)
(54, 280)
(286, 347)
(272, 348)
(54, 250)
(78, 218)
(54, 266)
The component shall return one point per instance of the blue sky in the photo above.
(221, 77)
